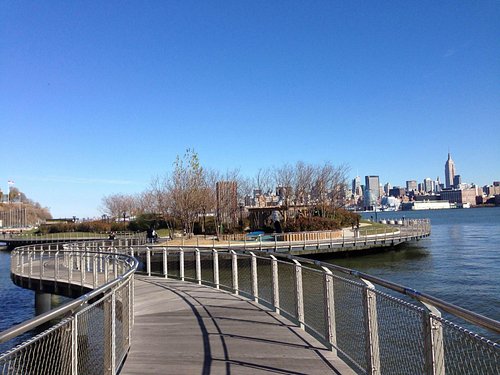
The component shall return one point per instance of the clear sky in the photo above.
(97, 97)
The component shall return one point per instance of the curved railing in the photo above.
(375, 325)
(91, 333)
(295, 242)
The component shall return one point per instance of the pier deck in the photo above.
(185, 328)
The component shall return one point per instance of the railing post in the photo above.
(330, 328)
(234, 263)
(94, 270)
(42, 268)
(56, 267)
(82, 269)
(22, 262)
(106, 269)
(113, 332)
(255, 284)
(74, 345)
(299, 294)
(216, 268)
(275, 283)
(70, 270)
(433, 341)
(31, 254)
(130, 308)
(181, 263)
(148, 261)
(371, 328)
(198, 266)
(165, 263)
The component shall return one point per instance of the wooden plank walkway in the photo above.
(186, 328)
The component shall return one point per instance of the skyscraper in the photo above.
(411, 185)
(356, 186)
(449, 171)
(372, 191)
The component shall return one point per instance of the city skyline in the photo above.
(97, 102)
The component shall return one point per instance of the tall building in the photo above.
(449, 171)
(356, 186)
(411, 185)
(457, 181)
(387, 188)
(429, 185)
(372, 191)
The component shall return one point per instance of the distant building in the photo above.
(428, 185)
(397, 192)
(457, 181)
(449, 171)
(387, 188)
(459, 196)
(372, 191)
(411, 185)
(356, 186)
(426, 205)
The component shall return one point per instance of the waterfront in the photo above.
(458, 263)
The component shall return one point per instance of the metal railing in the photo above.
(68, 236)
(92, 334)
(375, 325)
(347, 238)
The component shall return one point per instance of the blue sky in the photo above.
(97, 98)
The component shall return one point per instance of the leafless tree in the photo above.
(187, 188)
(118, 205)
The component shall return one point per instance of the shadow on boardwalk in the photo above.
(184, 328)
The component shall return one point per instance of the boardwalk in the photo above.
(184, 328)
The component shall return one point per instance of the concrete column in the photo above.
(42, 302)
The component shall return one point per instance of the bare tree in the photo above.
(304, 175)
(328, 186)
(187, 189)
(263, 180)
(118, 205)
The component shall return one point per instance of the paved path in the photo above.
(185, 328)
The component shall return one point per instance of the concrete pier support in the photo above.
(42, 302)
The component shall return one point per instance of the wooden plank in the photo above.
(184, 328)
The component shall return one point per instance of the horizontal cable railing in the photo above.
(369, 322)
(92, 333)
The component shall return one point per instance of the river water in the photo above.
(459, 262)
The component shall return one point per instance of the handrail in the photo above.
(72, 305)
(461, 312)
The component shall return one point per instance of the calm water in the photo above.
(459, 262)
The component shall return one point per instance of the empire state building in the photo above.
(449, 171)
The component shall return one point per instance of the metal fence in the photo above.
(368, 322)
(92, 333)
